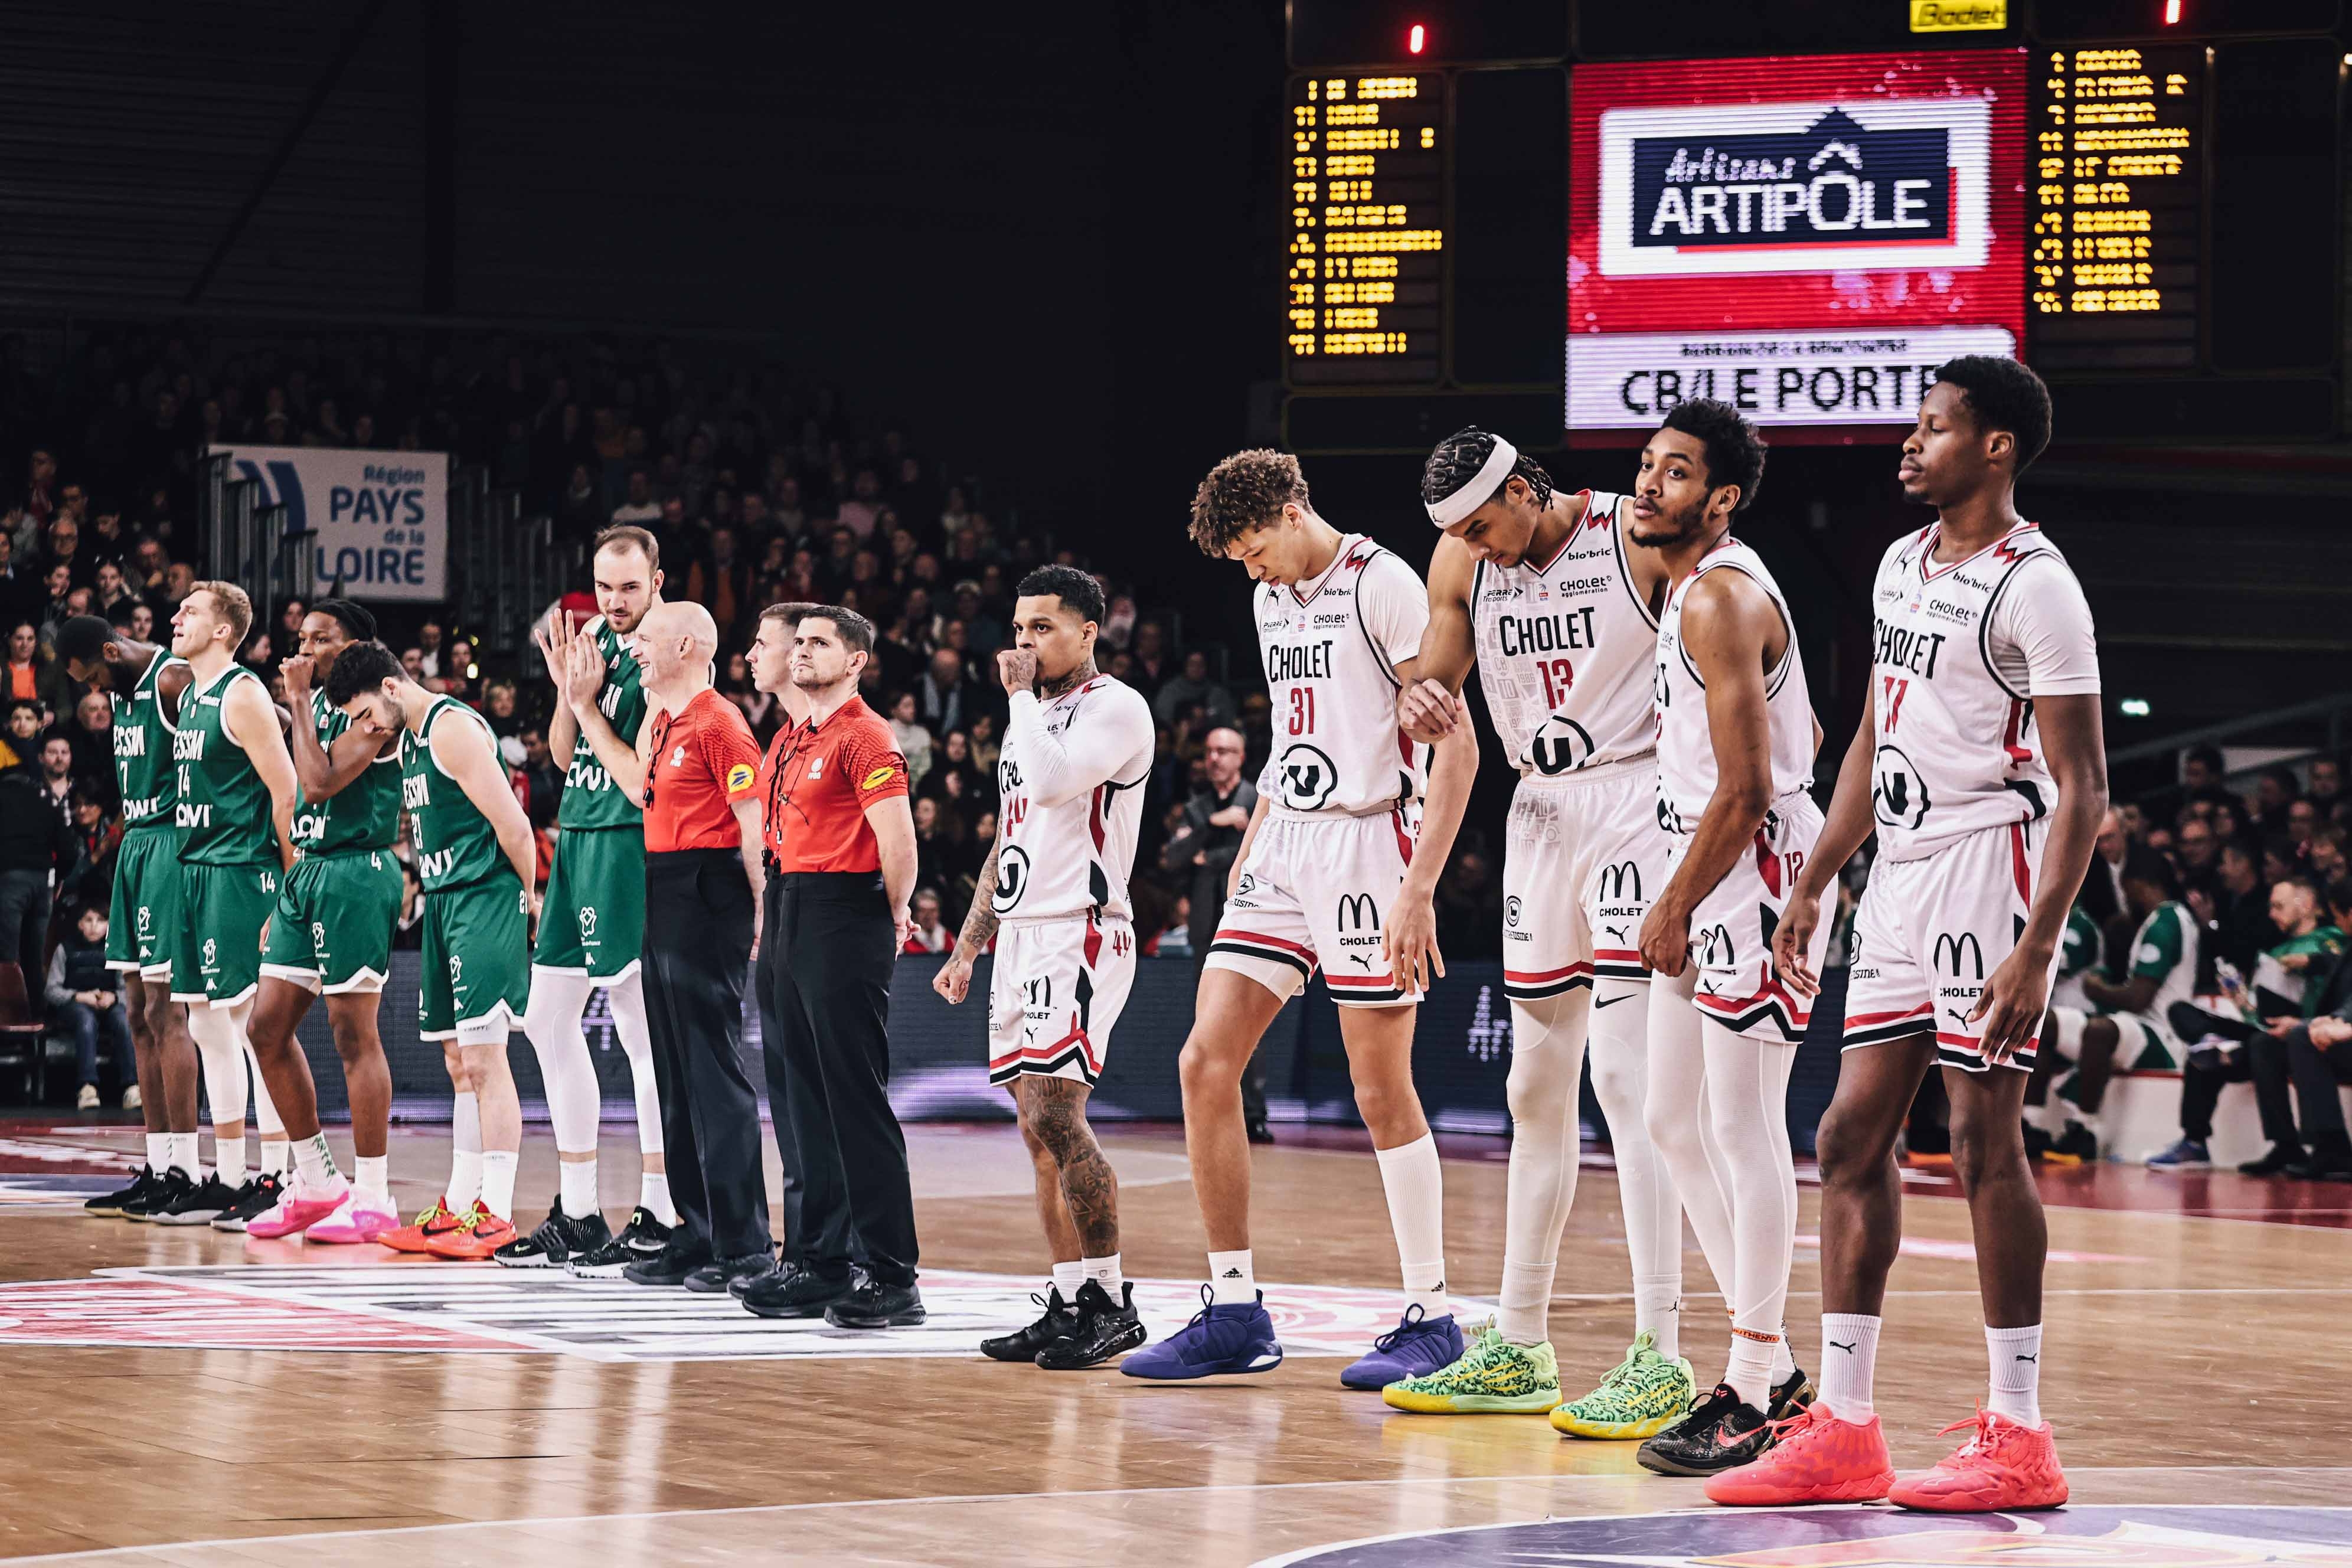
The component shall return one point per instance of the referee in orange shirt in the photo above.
(840, 841)
(695, 767)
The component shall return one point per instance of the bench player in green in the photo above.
(330, 932)
(591, 926)
(146, 684)
(476, 858)
(236, 814)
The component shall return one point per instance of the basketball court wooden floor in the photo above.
(185, 1397)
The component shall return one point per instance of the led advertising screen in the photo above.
(1802, 237)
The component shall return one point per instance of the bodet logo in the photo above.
(1803, 186)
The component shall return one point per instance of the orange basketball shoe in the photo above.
(1814, 1458)
(432, 1222)
(478, 1233)
(2003, 1466)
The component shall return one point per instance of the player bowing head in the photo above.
(1982, 421)
(1253, 507)
(1701, 466)
(1487, 493)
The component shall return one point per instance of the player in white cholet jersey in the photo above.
(1980, 764)
(1077, 749)
(1330, 876)
(1541, 588)
(1735, 740)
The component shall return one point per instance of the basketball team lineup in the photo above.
(1674, 889)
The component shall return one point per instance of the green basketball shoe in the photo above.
(1492, 1376)
(1642, 1396)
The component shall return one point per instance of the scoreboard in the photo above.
(1365, 281)
(2116, 205)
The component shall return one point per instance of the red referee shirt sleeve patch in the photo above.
(741, 779)
(878, 777)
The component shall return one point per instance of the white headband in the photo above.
(1480, 489)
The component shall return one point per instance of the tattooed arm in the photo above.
(954, 977)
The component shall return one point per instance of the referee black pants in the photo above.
(813, 1171)
(828, 1045)
(696, 955)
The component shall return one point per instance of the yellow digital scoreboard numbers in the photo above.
(2116, 200)
(1365, 267)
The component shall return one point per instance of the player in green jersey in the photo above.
(476, 858)
(331, 930)
(236, 815)
(145, 683)
(592, 928)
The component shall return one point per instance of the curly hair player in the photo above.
(1329, 875)
(1979, 763)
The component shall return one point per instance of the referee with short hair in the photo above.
(841, 840)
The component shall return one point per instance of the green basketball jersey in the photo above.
(456, 844)
(2079, 949)
(223, 809)
(366, 813)
(590, 797)
(142, 751)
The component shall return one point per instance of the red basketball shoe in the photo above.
(2003, 1466)
(432, 1222)
(1815, 1458)
(478, 1233)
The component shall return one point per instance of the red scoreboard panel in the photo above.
(1805, 237)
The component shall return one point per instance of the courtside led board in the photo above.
(1803, 237)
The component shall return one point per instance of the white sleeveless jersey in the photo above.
(1567, 651)
(1331, 648)
(1957, 748)
(1067, 822)
(1687, 776)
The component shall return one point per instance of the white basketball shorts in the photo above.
(1731, 928)
(1929, 931)
(1055, 994)
(1582, 858)
(1313, 893)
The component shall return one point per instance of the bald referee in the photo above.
(695, 767)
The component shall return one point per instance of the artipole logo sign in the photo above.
(1805, 238)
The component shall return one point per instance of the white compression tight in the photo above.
(1549, 1048)
(226, 1054)
(574, 1102)
(1719, 1111)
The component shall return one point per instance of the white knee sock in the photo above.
(1546, 1060)
(224, 1084)
(1675, 1115)
(465, 1153)
(1416, 1188)
(1849, 1365)
(1618, 1061)
(551, 1023)
(1747, 1103)
(2016, 1355)
(626, 1000)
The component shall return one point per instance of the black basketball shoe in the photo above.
(1104, 1329)
(559, 1239)
(2075, 1146)
(256, 1197)
(170, 1188)
(1721, 1433)
(200, 1203)
(642, 1237)
(1791, 1395)
(109, 1205)
(1057, 1322)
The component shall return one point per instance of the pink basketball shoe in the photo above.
(358, 1220)
(297, 1211)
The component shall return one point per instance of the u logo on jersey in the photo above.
(1559, 745)
(1310, 777)
(1897, 796)
(1012, 876)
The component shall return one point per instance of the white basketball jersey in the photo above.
(1331, 648)
(1687, 776)
(1957, 748)
(1067, 831)
(1567, 651)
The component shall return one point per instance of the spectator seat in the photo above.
(23, 1043)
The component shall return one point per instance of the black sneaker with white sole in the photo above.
(256, 1197)
(108, 1205)
(560, 1238)
(200, 1204)
(1104, 1329)
(642, 1238)
(170, 1188)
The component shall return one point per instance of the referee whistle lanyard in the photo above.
(785, 779)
